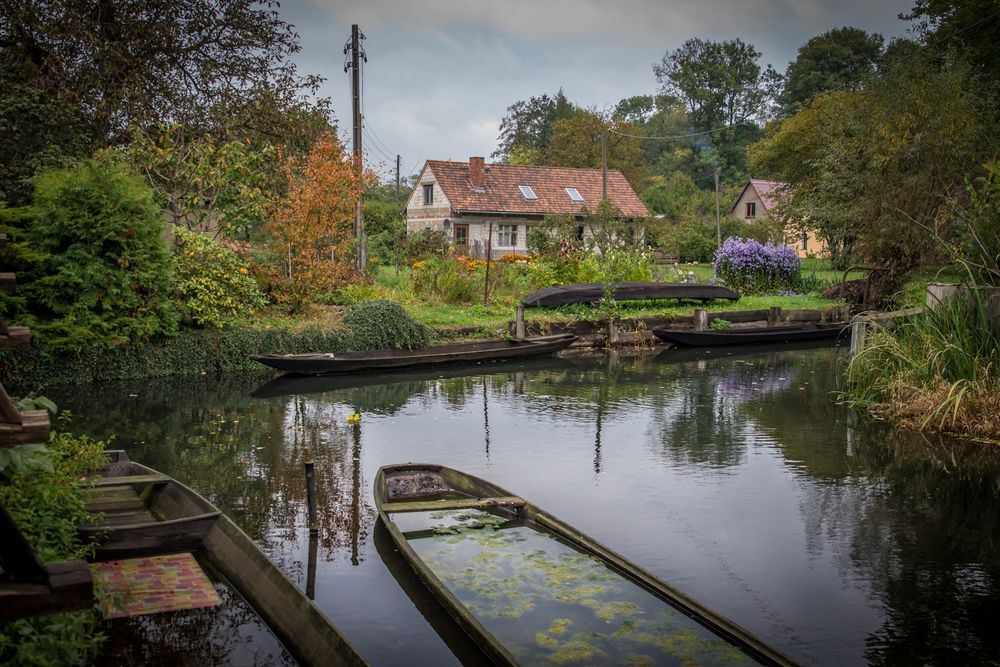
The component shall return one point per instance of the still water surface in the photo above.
(733, 476)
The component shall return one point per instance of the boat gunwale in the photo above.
(717, 623)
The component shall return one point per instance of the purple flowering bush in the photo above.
(751, 267)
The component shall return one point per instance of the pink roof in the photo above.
(500, 193)
(764, 189)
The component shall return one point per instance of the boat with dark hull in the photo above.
(137, 503)
(560, 295)
(808, 332)
(530, 589)
(385, 360)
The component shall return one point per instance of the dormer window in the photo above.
(527, 192)
(574, 194)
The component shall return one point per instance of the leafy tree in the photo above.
(384, 222)
(106, 272)
(77, 75)
(311, 229)
(576, 142)
(720, 82)
(606, 230)
(873, 170)
(203, 184)
(967, 27)
(723, 87)
(526, 128)
(837, 59)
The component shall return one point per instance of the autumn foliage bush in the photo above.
(310, 232)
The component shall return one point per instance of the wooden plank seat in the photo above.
(453, 504)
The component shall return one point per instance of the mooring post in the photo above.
(858, 329)
(519, 328)
(773, 316)
(311, 566)
(311, 491)
(701, 319)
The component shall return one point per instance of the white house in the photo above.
(463, 198)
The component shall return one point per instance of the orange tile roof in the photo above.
(500, 193)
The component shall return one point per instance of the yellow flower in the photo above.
(243, 269)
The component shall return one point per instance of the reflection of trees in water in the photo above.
(928, 538)
(228, 634)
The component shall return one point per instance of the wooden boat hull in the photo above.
(308, 635)
(425, 494)
(386, 360)
(753, 336)
(560, 295)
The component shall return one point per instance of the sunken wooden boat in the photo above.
(385, 360)
(561, 295)
(793, 334)
(530, 589)
(136, 501)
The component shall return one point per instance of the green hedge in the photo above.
(189, 353)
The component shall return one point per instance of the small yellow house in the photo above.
(758, 200)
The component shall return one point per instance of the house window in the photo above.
(579, 232)
(751, 209)
(507, 236)
(428, 194)
(527, 192)
(574, 194)
(805, 240)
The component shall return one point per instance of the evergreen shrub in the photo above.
(105, 278)
(383, 324)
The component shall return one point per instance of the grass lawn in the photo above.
(476, 320)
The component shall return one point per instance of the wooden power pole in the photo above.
(357, 55)
(604, 164)
(397, 180)
(718, 223)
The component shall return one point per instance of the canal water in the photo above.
(735, 476)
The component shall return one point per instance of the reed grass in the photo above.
(938, 371)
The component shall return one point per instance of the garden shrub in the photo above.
(574, 265)
(212, 282)
(45, 496)
(106, 273)
(751, 267)
(424, 244)
(351, 295)
(694, 239)
(383, 324)
(451, 279)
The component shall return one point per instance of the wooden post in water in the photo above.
(519, 328)
(311, 565)
(858, 330)
(773, 316)
(311, 491)
(701, 320)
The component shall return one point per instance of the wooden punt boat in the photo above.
(219, 544)
(558, 576)
(806, 332)
(383, 360)
(560, 295)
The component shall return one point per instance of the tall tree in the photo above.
(837, 59)
(525, 130)
(969, 27)
(119, 63)
(576, 142)
(721, 82)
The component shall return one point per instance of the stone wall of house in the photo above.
(420, 216)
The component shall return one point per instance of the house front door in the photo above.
(461, 238)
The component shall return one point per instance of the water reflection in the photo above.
(733, 475)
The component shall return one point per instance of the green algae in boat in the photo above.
(529, 589)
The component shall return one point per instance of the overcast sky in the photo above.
(441, 73)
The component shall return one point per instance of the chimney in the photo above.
(477, 171)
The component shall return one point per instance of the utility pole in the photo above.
(604, 164)
(397, 180)
(357, 56)
(718, 224)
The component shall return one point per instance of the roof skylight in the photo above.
(527, 192)
(574, 194)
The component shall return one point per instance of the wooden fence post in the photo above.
(700, 319)
(519, 328)
(773, 316)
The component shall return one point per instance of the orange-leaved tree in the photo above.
(311, 228)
